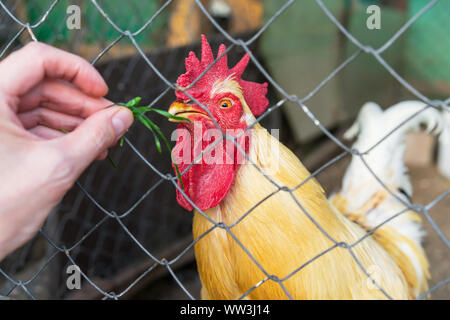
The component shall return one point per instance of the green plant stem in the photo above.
(139, 113)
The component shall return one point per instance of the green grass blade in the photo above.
(178, 175)
(133, 102)
(164, 113)
(112, 162)
(146, 123)
(166, 142)
(168, 115)
(158, 130)
(139, 113)
(143, 109)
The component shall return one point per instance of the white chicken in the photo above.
(364, 197)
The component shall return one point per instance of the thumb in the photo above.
(96, 134)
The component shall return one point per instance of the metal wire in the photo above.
(300, 101)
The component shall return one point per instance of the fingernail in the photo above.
(121, 121)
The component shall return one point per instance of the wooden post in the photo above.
(246, 15)
(188, 21)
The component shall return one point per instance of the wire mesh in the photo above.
(123, 205)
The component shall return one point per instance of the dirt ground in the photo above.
(427, 183)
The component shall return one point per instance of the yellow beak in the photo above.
(179, 109)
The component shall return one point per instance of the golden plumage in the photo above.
(406, 253)
(281, 238)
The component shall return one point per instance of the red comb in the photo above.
(254, 93)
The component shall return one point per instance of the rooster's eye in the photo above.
(225, 103)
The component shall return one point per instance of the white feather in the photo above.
(386, 158)
(382, 134)
(444, 147)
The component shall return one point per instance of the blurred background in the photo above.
(299, 49)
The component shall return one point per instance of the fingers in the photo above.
(46, 133)
(49, 118)
(30, 65)
(102, 155)
(62, 97)
(95, 135)
(49, 134)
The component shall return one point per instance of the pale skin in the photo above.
(42, 91)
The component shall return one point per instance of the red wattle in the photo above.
(205, 184)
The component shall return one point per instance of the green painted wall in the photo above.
(427, 48)
(302, 47)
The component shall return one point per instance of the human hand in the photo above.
(42, 91)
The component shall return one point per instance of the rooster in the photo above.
(274, 210)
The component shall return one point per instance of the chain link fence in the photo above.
(105, 224)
